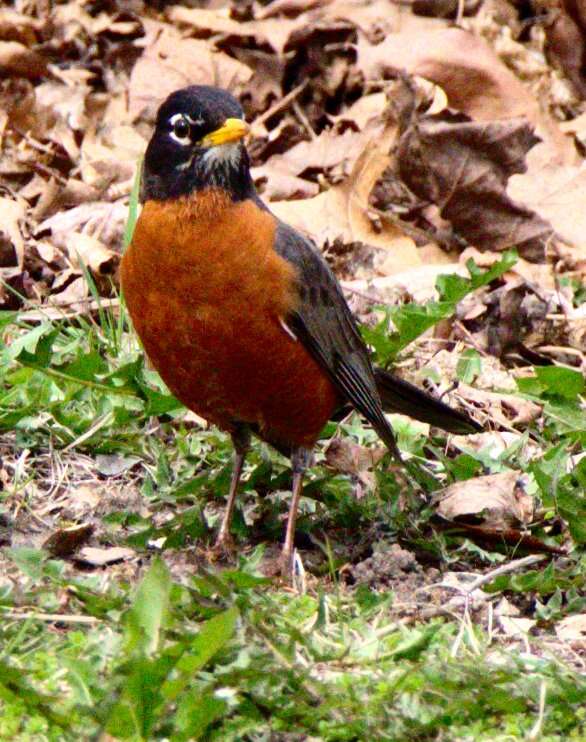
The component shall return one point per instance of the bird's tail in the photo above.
(398, 395)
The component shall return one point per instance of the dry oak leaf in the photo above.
(170, 62)
(462, 167)
(566, 40)
(107, 220)
(341, 213)
(502, 409)
(86, 250)
(498, 500)
(276, 185)
(556, 193)
(474, 79)
(327, 151)
(274, 32)
(66, 541)
(366, 108)
(16, 60)
(289, 7)
(343, 455)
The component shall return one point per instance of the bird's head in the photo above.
(197, 143)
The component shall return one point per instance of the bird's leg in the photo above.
(241, 442)
(300, 459)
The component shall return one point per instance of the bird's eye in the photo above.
(181, 129)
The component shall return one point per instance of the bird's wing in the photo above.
(324, 323)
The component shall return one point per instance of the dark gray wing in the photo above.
(324, 323)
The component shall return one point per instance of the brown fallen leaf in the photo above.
(85, 250)
(170, 62)
(498, 500)
(110, 155)
(100, 217)
(102, 557)
(418, 283)
(364, 110)
(566, 39)
(463, 167)
(74, 295)
(275, 185)
(572, 628)
(552, 191)
(289, 6)
(501, 408)
(516, 626)
(475, 80)
(12, 215)
(19, 61)
(66, 541)
(341, 213)
(343, 455)
(274, 32)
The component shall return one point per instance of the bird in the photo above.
(239, 312)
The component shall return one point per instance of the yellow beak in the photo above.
(231, 131)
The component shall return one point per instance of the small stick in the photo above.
(279, 105)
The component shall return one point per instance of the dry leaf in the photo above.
(498, 500)
(275, 33)
(364, 110)
(417, 283)
(85, 250)
(473, 77)
(502, 409)
(341, 213)
(74, 295)
(275, 185)
(289, 6)
(12, 214)
(66, 541)
(463, 167)
(572, 628)
(102, 557)
(105, 220)
(553, 191)
(324, 153)
(19, 61)
(171, 62)
(566, 32)
(514, 626)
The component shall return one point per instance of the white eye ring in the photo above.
(176, 119)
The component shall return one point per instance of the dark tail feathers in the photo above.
(398, 395)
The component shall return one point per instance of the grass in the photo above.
(167, 646)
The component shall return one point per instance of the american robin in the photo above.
(239, 313)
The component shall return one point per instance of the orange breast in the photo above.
(207, 294)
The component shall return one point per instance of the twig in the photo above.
(514, 566)
(279, 105)
(51, 617)
(304, 120)
(100, 423)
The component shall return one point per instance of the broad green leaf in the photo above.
(195, 713)
(213, 635)
(469, 366)
(561, 381)
(149, 612)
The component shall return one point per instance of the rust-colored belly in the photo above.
(207, 295)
